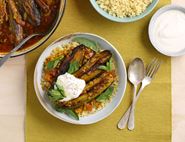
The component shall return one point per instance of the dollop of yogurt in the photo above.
(72, 86)
(169, 31)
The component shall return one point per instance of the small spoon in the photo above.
(136, 73)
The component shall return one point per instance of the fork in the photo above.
(151, 70)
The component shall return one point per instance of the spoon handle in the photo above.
(131, 117)
(7, 56)
(123, 121)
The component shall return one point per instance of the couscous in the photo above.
(124, 8)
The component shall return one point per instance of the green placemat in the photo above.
(153, 112)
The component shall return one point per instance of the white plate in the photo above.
(99, 115)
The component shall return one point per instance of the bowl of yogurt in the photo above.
(167, 30)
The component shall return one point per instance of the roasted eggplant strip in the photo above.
(66, 62)
(94, 82)
(78, 54)
(16, 15)
(19, 4)
(88, 54)
(83, 56)
(91, 74)
(31, 10)
(3, 12)
(42, 4)
(15, 27)
(95, 91)
(51, 75)
(96, 60)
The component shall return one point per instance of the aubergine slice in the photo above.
(32, 11)
(16, 15)
(3, 12)
(42, 4)
(16, 29)
(96, 60)
(19, 4)
(91, 74)
(78, 54)
(105, 81)
(94, 82)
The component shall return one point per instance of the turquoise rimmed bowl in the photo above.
(127, 19)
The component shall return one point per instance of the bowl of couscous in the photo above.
(124, 10)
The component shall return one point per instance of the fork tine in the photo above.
(150, 74)
(151, 67)
(156, 69)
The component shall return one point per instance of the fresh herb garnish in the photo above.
(74, 66)
(87, 42)
(60, 89)
(108, 66)
(69, 112)
(105, 95)
(57, 93)
(53, 63)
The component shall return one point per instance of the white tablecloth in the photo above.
(13, 98)
(12, 102)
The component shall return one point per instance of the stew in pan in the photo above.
(20, 18)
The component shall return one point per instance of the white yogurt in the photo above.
(73, 86)
(169, 31)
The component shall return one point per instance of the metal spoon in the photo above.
(136, 73)
(7, 56)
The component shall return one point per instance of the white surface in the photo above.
(178, 94)
(12, 102)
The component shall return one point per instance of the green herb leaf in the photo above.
(108, 66)
(68, 112)
(74, 66)
(105, 95)
(103, 68)
(87, 42)
(53, 63)
(50, 65)
(61, 90)
(55, 95)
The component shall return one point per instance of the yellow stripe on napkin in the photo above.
(153, 112)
